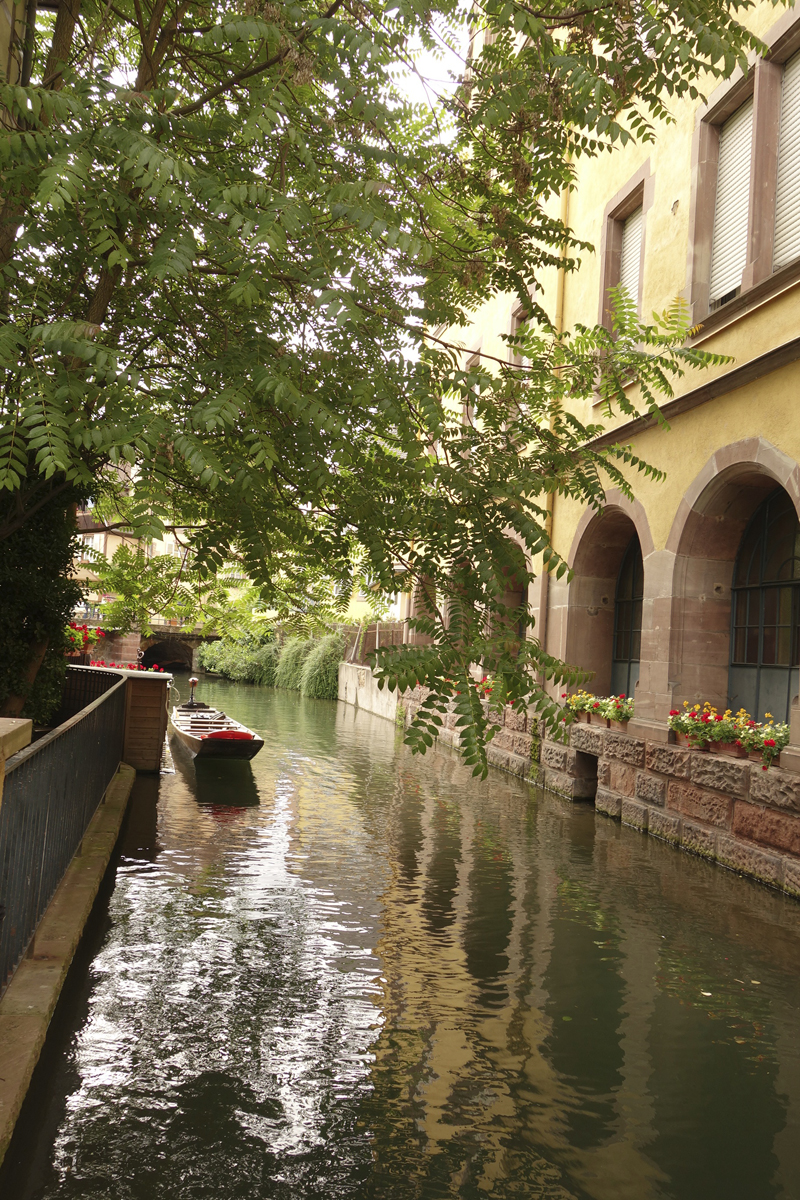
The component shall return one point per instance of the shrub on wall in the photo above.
(265, 665)
(291, 662)
(320, 674)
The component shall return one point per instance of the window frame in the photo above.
(636, 193)
(763, 82)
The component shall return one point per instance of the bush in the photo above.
(208, 655)
(305, 665)
(240, 662)
(291, 662)
(320, 675)
(265, 665)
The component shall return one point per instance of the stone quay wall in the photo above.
(726, 809)
(514, 747)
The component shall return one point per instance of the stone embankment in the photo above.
(725, 809)
(514, 747)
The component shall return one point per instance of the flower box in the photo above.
(620, 726)
(729, 748)
(596, 719)
(681, 739)
(758, 757)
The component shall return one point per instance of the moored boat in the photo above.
(208, 733)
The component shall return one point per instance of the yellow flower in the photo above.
(768, 715)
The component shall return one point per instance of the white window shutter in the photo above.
(631, 255)
(731, 210)
(787, 201)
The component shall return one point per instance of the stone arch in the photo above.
(595, 557)
(703, 544)
(170, 653)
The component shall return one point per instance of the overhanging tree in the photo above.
(223, 239)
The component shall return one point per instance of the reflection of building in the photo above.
(692, 592)
(548, 1023)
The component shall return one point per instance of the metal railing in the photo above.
(51, 792)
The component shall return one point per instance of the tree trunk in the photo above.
(15, 703)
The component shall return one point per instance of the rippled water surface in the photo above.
(341, 971)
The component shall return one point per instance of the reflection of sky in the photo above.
(386, 979)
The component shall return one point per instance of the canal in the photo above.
(342, 971)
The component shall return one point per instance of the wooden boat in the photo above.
(209, 733)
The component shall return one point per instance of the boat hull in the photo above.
(207, 747)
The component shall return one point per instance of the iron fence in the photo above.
(51, 792)
(362, 642)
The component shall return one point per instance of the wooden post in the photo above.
(145, 719)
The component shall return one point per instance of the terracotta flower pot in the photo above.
(756, 756)
(583, 717)
(621, 726)
(729, 748)
(681, 739)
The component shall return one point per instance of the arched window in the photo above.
(628, 621)
(765, 641)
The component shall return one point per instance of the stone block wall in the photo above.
(514, 747)
(726, 809)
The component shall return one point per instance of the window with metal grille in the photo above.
(732, 205)
(628, 621)
(765, 636)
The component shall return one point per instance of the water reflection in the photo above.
(216, 782)
(352, 973)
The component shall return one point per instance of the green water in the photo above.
(341, 971)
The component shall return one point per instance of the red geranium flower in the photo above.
(673, 712)
(769, 741)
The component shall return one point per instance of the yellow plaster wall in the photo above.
(765, 408)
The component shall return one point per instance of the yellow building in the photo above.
(693, 591)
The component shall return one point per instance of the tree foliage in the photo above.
(224, 236)
(37, 596)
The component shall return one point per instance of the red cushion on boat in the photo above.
(231, 735)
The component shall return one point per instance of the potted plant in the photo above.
(691, 725)
(579, 705)
(80, 639)
(724, 730)
(763, 742)
(618, 710)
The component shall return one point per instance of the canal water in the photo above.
(342, 971)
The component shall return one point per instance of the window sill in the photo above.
(746, 302)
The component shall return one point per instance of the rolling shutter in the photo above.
(729, 239)
(631, 255)
(787, 201)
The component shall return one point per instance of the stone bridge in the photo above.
(170, 646)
